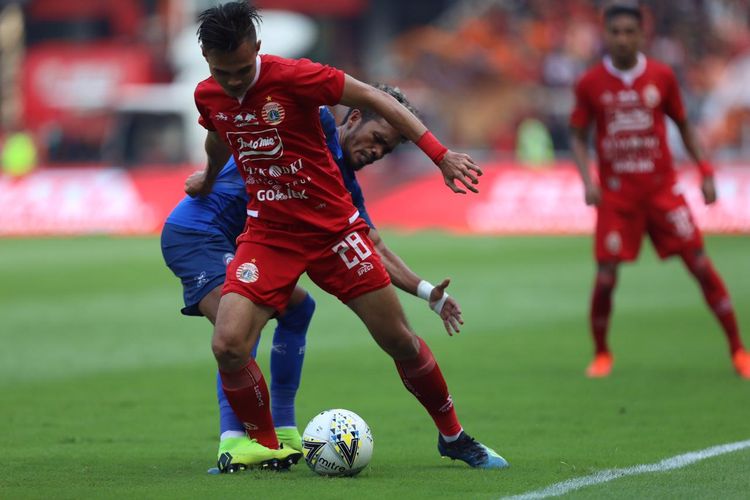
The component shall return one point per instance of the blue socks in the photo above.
(287, 354)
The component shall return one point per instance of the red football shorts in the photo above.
(662, 213)
(269, 261)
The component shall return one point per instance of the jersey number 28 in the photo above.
(352, 241)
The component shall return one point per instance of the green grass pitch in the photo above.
(107, 392)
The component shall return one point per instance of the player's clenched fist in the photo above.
(194, 183)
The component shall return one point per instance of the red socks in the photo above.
(247, 393)
(601, 306)
(716, 296)
(422, 377)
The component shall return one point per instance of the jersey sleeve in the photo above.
(317, 83)
(582, 113)
(673, 106)
(204, 118)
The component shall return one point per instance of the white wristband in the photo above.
(424, 289)
(438, 307)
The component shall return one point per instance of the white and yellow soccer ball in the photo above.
(337, 443)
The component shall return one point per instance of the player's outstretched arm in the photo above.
(455, 167)
(579, 148)
(407, 280)
(200, 184)
(707, 171)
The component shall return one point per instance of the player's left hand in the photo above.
(450, 312)
(194, 183)
(708, 187)
(460, 167)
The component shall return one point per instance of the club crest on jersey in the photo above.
(651, 95)
(221, 117)
(272, 113)
(254, 146)
(248, 273)
(245, 119)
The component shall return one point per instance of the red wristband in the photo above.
(432, 147)
(705, 168)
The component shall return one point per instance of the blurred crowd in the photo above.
(494, 72)
(489, 75)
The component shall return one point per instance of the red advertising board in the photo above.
(74, 201)
(512, 201)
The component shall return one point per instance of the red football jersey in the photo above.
(278, 143)
(628, 108)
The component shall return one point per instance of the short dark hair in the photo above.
(623, 9)
(395, 92)
(227, 26)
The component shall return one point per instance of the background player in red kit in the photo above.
(264, 110)
(627, 96)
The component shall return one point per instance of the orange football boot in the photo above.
(741, 362)
(601, 366)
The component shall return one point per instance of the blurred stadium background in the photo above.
(97, 110)
(107, 392)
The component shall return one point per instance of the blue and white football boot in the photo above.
(471, 451)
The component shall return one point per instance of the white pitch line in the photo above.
(604, 476)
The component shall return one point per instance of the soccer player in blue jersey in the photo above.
(198, 241)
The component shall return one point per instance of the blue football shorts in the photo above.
(199, 259)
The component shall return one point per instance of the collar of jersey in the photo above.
(627, 76)
(255, 78)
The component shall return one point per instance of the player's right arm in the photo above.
(218, 154)
(580, 121)
(455, 167)
(407, 280)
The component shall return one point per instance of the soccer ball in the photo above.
(337, 443)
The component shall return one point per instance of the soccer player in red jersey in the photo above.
(263, 109)
(627, 96)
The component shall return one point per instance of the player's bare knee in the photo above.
(403, 346)
(606, 276)
(231, 352)
(698, 264)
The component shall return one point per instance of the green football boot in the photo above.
(240, 453)
(289, 437)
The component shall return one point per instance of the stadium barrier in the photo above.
(513, 200)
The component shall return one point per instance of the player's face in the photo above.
(622, 37)
(234, 71)
(365, 142)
